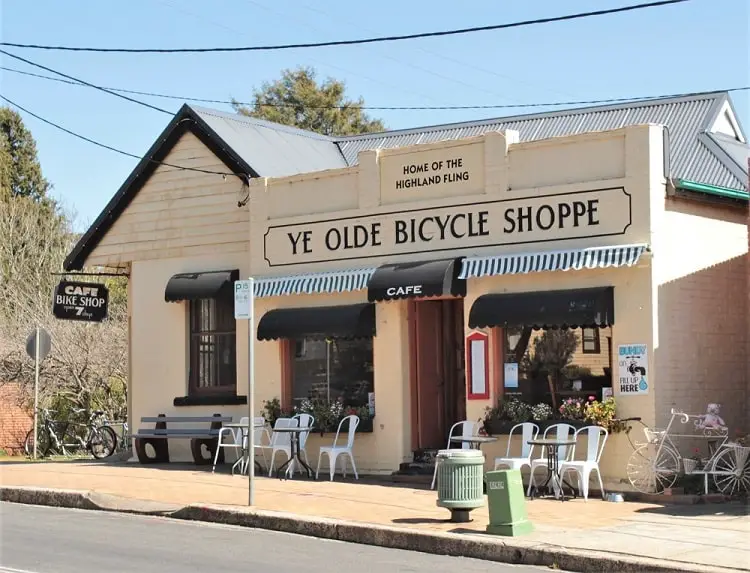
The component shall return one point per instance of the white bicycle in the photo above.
(656, 464)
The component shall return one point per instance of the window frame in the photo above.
(596, 340)
(288, 351)
(223, 325)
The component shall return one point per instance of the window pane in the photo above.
(213, 361)
(339, 369)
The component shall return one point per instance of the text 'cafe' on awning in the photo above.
(428, 283)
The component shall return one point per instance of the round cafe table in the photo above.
(294, 449)
(553, 466)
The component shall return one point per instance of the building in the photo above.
(15, 420)
(407, 252)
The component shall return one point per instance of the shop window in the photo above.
(590, 341)
(213, 347)
(335, 369)
(559, 359)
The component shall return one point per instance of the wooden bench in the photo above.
(157, 437)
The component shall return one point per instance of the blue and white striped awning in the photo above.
(573, 259)
(332, 281)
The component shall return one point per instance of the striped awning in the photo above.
(573, 259)
(332, 281)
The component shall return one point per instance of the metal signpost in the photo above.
(244, 309)
(38, 345)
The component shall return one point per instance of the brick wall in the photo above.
(702, 351)
(15, 422)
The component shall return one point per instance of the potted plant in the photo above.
(508, 413)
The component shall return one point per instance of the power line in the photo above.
(351, 42)
(85, 83)
(105, 146)
(387, 107)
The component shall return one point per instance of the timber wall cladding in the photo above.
(15, 422)
(179, 213)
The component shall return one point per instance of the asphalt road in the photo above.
(51, 540)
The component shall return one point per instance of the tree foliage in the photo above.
(297, 99)
(87, 364)
(20, 172)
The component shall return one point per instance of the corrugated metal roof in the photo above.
(685, 117)
(273, 150)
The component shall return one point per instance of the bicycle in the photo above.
(123, 440)
(656, 464)
(63, 436)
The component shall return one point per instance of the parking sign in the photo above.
(242, 300)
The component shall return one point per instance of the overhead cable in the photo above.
(373, 40)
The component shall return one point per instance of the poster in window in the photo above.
(477, 366)
(511, 375)
(632, 362)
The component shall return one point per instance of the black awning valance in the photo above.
(552, 309)
(347, 321)
(192, 286)
(415, 280)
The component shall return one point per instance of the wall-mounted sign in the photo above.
(80, 301)
(477, 366)
(632, 361)
(583, 214)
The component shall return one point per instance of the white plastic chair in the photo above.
(597, 437)
(260, 431)
(281, 441)
(335, 451)
(529, 431)
(561, 432)
(236, 442)
(467, 429)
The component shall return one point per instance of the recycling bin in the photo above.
(460, 481)
(506, 504)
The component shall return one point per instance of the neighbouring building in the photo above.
(15, 420)
(411, 270)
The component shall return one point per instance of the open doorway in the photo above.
(438, 388)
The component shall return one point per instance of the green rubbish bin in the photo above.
(506, 504)
(460, 481)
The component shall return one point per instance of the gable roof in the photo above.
(255, 148)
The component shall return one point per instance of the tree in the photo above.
(298, 100)
(87, 364)
(20, 172)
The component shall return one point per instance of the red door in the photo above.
(429, 376)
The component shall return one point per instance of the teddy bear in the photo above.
(711, 419)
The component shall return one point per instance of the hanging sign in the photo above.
(80, 301)
(633, 369)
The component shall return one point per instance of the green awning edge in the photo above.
(712, 190)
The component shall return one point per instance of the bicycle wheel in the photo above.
(652, 473)
(103, 442)
(731, 470)
(43, 444)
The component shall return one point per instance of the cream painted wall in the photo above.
(613, 168)
(700, 264)
(159, 339)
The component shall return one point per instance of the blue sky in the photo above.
(695, 46)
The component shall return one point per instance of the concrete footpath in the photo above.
(575, 535)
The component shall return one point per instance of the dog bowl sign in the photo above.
(80, 301)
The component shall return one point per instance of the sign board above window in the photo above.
(80, 301)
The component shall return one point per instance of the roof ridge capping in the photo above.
(636, 103)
